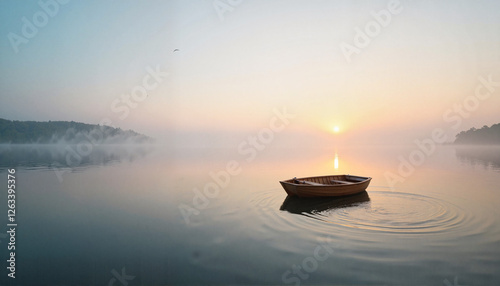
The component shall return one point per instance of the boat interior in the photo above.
(328, 180)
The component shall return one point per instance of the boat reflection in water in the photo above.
(305, 206)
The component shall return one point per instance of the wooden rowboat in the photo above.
(326, 186)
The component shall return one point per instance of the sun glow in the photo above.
(336, 129)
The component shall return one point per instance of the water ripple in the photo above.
(401, 213)
(372, 212)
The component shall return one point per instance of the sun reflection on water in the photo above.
(336, 162)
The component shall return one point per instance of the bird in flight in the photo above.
(176, 50)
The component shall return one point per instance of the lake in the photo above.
(152, 215)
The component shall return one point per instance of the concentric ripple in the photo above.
(375, 211)
(402, 213)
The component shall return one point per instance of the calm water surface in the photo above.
(135, 216)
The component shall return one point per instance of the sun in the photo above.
(336, 129)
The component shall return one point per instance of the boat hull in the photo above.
(326, 186)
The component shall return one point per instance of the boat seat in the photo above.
(341, 182)
(357, 179)
(311, 183)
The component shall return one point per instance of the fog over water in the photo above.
(125, 207)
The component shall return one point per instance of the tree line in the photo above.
(485, 135)
(33, 132)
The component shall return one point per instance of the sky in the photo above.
(382, 72)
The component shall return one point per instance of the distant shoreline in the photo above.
(484, 136)
(69, 132)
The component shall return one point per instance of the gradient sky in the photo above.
(230, 72)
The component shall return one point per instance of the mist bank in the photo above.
(264, 138)
(60, 156)
(484, 136)
(65, 132)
